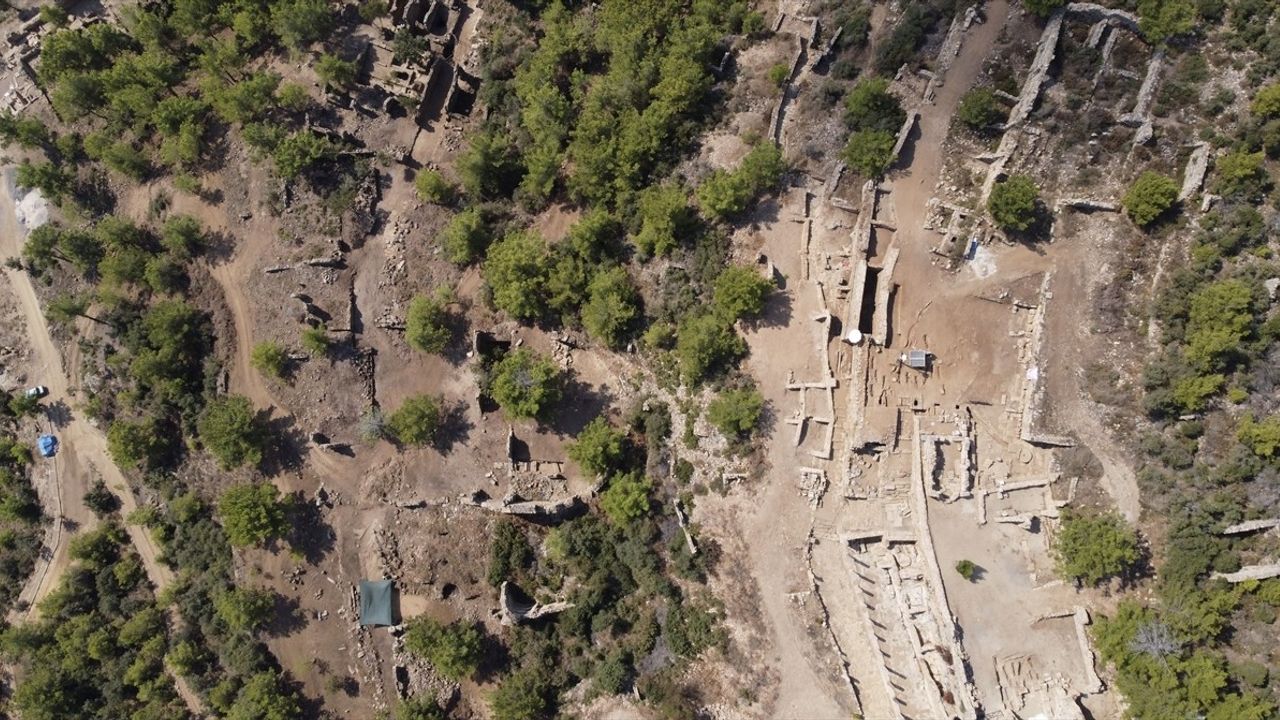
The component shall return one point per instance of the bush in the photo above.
(525, 384)
(870, 106)
(454, 650)
(1150, 197)
(1094, 547)
(736, 412)
(269, 358)
(426, 324)
(230, 428)
(300, 152)
(516, 269)
(336, 72)
(1014, 203)
(741, 292)
(244, 609)
(509, 553)
(419, 708)
(705, 344)
(979, 109)
(416, 421)
(467, 236)
(778, 75)
(665, 218)
(726, 194)
(869, 152)
(598, 447)
(612, 307)
(1160, 20)
(1219, 320)
(1241, 175)
(967, 569)
(137, 444)
(432, 187)
(372, 425)
(263, 697)
(1266, 102)
(252, 514)
(626, 499)
(315, 340)
(1044, 8)
(101, 500)
(524, 695)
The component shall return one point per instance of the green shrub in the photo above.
(626, 498)
(612, 308)
(1094, 547)
(980, 110)
(1014, 203)
(232, 431)
(741, 292)
(726, 194)
(869, 152)
(137, 444)
(516, 269)
(269, 358)
(300, 152)
(315, 340)
(736, 412)
(1241, 175)
(454, 650)
(252, 514)
(778, 75)
(1150, 197)
(336, 72)
(598, 447)
(1044, 8)
(967, 569)
(245, 609)
(416, 421)
(525, 384)
(467, 236)
(427, 324)
(509, 553)
(432, 187)
(523, 695)
(870, 107)
(665, 218)
(706, 344)
(1160, 20)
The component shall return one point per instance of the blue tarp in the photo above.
(48, 445)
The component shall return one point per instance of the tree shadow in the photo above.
(494, 659)
(58, 413)
(288, 617)
(459, 347)
(287, 445)
(579, 404)
(454, 428)
(777, 312)
(219, 247)
(310, 533)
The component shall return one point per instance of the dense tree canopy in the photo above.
(416, 421)
(252, 514)
(231, 429)
(1150, 197)
(1094, 547)
(525, 384)
(1014, 203)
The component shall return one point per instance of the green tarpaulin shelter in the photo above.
(375, 602)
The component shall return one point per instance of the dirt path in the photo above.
(83, 447)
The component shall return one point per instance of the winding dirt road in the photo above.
(83, 447)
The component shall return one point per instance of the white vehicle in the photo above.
(37, 392)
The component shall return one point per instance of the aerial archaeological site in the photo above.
(640, 359)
